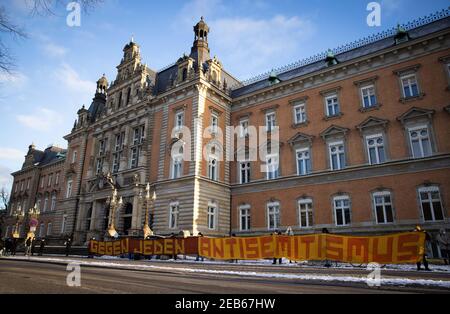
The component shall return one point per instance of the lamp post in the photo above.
(115, 203)
(19, 214)
(33, 213)
(148, 201)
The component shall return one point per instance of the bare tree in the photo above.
(37, 7)
(4, 200)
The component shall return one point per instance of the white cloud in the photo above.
(54, 50)
(258, 44)
(70, 78)
(15, 79)
(42, 120)
(6, 179)
(11, 154)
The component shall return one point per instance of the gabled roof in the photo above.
(414, 113)
(299, 138)
(372, 122)
(334, 130)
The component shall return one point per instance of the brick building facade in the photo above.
(363, 144)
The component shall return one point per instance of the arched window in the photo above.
(53, 204)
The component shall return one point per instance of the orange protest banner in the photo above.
(395, 248)
(392, 249)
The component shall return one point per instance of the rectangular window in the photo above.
(270, 121)
(420, 142)
(177, 162)
(99, 166)
(22, 185)
(49, 229)
(45, 204)
(214, 123)
(53, 205)
(430, 201)
(410, 86)
(243, 132)
(342, 211)
(57, 179)
(42, 182)
(50, 179)
(173, 216)
(69, 188)
(376, 149)
(244, 218)
(74, 156)
(212, 168)
(383, 207)
(273, 216)
(337, 155)
(332, 103)
(244, 172)
(369, 98)
(303, 161)
(212, 212)
(138, 139)
(272, 167)
(179, 120)
(41, 230)
(28, 184)
(64, 224)
(102, 147)
(305, 209)
(300, 113)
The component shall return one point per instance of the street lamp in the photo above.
(115, 203)
(33, 213)
(148, 201)
(19, 214)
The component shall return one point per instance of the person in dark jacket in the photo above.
(28, 244)
(8, 246)
(41, 247)
(423, 252)
(33, 246)
(68, 245)
(280, 260)
(13, 247)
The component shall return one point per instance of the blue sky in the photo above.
(57, 65)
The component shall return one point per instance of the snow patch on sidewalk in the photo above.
(391, 281)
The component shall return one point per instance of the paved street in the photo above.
(17, 276)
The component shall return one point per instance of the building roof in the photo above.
(366, 46)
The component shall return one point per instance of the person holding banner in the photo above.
(280, 260)
(423, 253)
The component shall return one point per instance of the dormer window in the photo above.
(184, 75)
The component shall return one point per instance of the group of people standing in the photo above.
(32, 246)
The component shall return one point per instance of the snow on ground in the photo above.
(391, 281)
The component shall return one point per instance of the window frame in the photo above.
(277, 219)
(369, 137)
(429, 190)
(332, 96)
(174, 215)
(410, 140)
(384, 204)
(345, 223)
(330, 154)
(368, 87)
(407, 76)
(212, 216)
(303, 113)
(304, 201)
(247, 217)
(302, 150)
(273, 122)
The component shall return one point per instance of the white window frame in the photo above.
(50, 179)
(247, 169)
(370, 92)
(45, 203)
(57, 178)
(212, 215)
(330, 155)
(383, 204)
(309, 208)
(53, 202)
(74, 156)
(177, 166)
(244, 124)
(69, 188)
(174, 214)
(429, 190)
(376, 146)
(422, 152)
(408, 78)
(304, 159)
(270, 167)
(303, 115)
(344, 222)
(271, 121)
(273, 209)
(244, 213)
(333, 105)
(179, 120)
(64, 224)
(213, 168)
(214, 123)
(49, 229)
